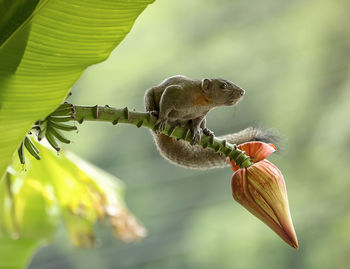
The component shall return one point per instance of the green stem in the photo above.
(145, 119)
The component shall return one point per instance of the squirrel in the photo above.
(180, 100)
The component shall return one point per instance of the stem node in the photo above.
(96, 112)
(126, 113)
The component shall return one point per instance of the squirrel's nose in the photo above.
(241, 91)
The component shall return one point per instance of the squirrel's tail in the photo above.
(183, 154)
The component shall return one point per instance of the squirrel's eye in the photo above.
(223, 86)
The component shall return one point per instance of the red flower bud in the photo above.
(261, 189)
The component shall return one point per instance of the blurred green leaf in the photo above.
(15, 254)
(58, 40)
(37, 197)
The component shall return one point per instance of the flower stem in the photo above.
(145, 119)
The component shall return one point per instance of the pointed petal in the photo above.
(261, 189)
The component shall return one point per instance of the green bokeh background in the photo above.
(292, 57)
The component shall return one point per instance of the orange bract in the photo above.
(256, 150)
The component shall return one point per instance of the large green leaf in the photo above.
(58, 40)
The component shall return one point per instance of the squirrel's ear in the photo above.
(206, 85)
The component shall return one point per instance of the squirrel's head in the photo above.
(222, 92)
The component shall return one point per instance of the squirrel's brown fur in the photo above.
(181, 100)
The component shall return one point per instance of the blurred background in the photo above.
(292, 58)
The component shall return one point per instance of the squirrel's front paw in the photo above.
(208, 132)
(161, 124)
(154, 113)
(196, 136)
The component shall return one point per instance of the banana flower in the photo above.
(261, 189)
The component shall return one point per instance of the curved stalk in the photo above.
(145, 119)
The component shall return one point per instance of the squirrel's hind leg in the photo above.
(150, 102)
(166, 105)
